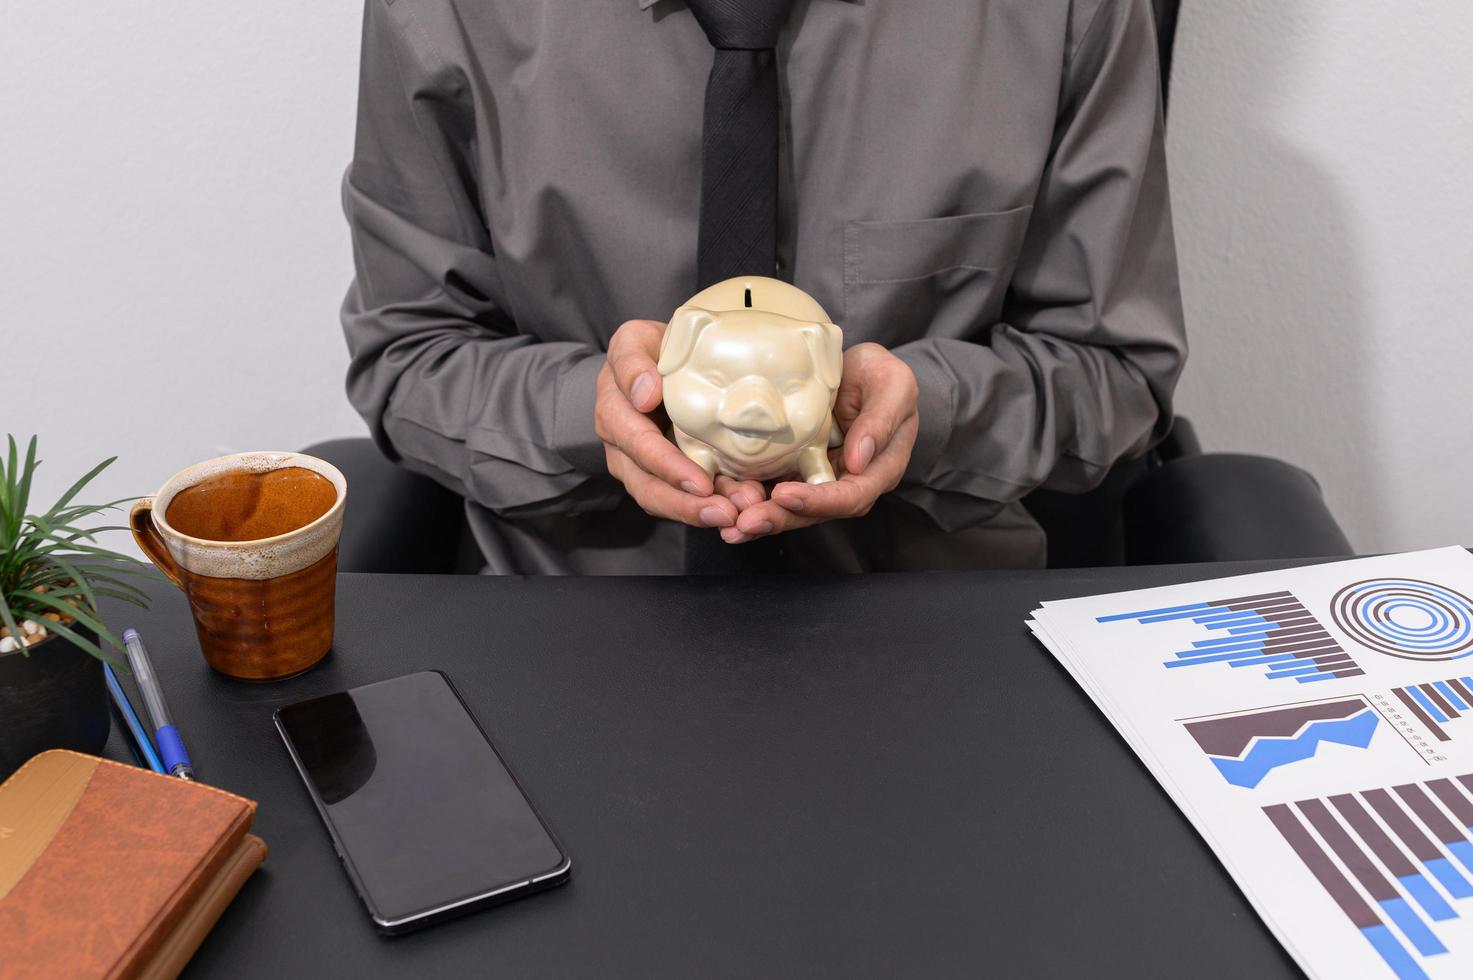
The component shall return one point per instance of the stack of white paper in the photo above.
(1316, 726)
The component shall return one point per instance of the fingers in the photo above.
(762, 520)
(732, 535)
(660, 499)
(743, 493)
(633, 351)
(636, 436)
(852, 495)
(887, 398)
(795, 504)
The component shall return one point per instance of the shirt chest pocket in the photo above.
(939, 277)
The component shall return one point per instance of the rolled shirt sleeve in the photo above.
(1081, 370)
(447, 384)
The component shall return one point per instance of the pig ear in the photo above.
(826, 346)
(681, 335)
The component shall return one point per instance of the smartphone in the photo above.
(426, 817)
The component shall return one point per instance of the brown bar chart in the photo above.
(1272, 632)
(1437, 703)
(1394, 860)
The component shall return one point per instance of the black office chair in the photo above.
(1177, 504)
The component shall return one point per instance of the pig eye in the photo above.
(713, 378)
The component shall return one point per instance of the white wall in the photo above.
(1322, 174)
(172, 254)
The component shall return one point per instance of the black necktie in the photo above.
(738, 230)
(739, 139)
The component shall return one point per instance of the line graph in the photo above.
(1247, 746)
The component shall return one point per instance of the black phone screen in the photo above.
(423, 812)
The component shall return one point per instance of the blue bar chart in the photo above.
(1312, 722)
(1436, 703)
(1394, 860)
(1272, 632)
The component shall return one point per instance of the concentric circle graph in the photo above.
(1406, 618)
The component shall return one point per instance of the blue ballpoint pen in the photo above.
(141, 742)
(171, 746)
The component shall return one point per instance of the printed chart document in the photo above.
(1316, 725)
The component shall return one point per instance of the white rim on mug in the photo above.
(257, 558)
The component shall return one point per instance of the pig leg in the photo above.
(836, 437)
(813, 464)
(704, 458)
(697, 452)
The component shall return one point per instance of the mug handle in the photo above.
(140, 522)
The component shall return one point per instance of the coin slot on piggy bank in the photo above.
(751, 368)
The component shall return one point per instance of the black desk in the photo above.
(860, 776)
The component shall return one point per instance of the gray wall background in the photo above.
(1321, 153)
(172, 254)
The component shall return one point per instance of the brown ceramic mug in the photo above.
(256, 553)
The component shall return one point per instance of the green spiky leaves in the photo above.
(50, 563)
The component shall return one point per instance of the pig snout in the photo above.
(753, 405)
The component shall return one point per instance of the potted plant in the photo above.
(52, 641)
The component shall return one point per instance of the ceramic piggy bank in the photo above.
(751, 367)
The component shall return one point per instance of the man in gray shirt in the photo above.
(976, 192)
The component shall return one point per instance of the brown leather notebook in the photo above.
(107, 870)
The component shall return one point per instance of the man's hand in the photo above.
(657, 474)
(876, 409)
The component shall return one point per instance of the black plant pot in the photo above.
(51, 697)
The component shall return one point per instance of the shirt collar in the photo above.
(647, 4)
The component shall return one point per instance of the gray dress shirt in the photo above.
(979, 186)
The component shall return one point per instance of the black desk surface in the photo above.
(850, 776)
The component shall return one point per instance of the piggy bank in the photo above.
(751, 368)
